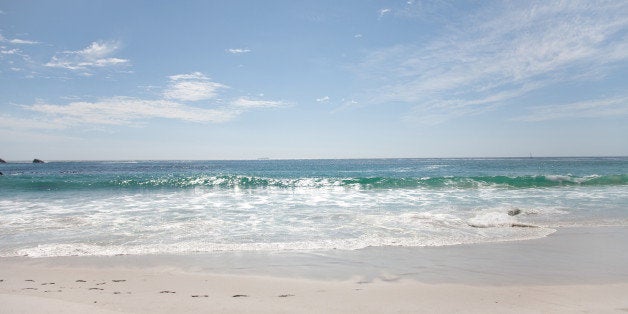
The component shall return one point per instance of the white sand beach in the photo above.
(573, 270)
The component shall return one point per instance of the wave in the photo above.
(86, 182)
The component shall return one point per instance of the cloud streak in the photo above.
(18, 41)
(323, 99)
(497, 58)
(23, 41)
(238, 50)
(248, 103)
(124, 111)
(127, 110)
(97, 55)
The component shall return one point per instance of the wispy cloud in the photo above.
(99, 50)
(247, 103)
(383, 12)
(97, 55)
(127, 110)
(17, 41)
(323, 99)
(23, 41)
(192, 87)
(14, 56)
(238, 50)
(10, 51)
(123, 110)
(188, 76)
(498, 56)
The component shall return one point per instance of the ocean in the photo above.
(98, 208)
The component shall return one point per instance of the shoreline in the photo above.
(571, 270)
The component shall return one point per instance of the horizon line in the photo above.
(288, 159)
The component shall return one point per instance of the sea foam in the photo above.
(109, 208)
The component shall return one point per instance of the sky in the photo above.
(123, 80)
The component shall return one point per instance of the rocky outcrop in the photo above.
(38, 161)
(2, 161)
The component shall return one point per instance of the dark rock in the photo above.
(514, 212)
(2, 161)
(38, 161)
(523, 225)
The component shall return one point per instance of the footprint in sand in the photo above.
(119, 280)
(285, 295)
(47, 283)
(240, 296)
(100, 289)
(200, 296)
(29, 288)
(167, 291)
(101, 283)
(30, 280)
(80, 280)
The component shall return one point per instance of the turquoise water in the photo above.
(145, 207)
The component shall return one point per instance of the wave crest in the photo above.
(78, 182)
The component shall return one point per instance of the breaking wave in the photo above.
(79, 182)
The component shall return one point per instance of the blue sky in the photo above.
(312, 79)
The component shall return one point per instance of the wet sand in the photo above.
(573, 270)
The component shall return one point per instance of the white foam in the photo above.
(302, 218)
(492, 219)
(187, 247)
(570, 178)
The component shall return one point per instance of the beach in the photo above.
(313, 157)
(483, 235)
(572, 270)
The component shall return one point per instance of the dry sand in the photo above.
(119, 284)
